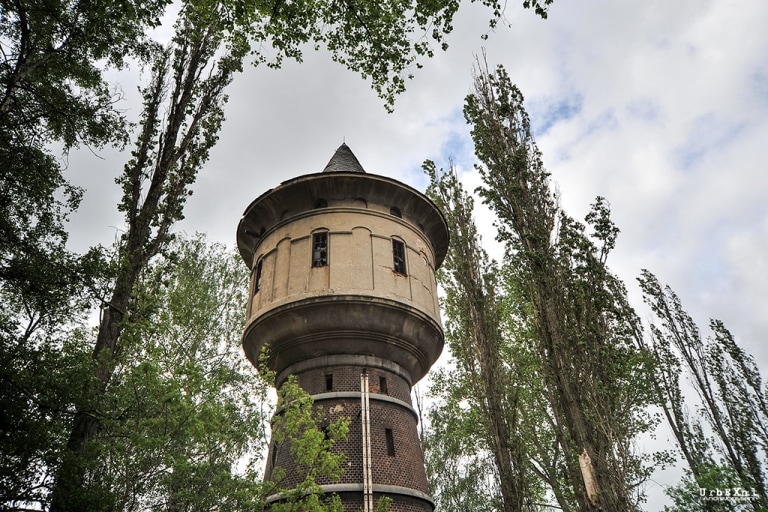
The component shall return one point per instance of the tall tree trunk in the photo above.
(169, 153)
(575, 301)
(472, 279)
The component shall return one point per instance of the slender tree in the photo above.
(731, 402)
(188, 83)
(488, 374)
(596, 379)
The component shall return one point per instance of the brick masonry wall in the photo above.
(404, 469)
(354, 503)
(347, 378)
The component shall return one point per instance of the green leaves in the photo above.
(384, 41)
(731, 401)
(184, 417)
(551, 322)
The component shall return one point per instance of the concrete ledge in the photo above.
(362, 361)
(335, 395)
(372, 396)
(358, 488)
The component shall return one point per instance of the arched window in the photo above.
(396, 212)
(320, 249)
(257, 279)
(398, 257)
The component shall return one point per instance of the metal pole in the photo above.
(366, 424)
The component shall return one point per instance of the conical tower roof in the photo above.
(344, 160)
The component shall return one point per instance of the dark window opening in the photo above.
(398, 254)
(274, 454)
(396, 212)
(383, 385)
(329, 382)
(320, 249)
(321, 203)
(390, 442)
(257, 280)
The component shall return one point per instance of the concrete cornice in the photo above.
(301, 193)
(334, 395)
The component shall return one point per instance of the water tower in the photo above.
(343, 294)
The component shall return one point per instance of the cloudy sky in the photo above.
(661, 107)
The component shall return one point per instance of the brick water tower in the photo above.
(343, 294)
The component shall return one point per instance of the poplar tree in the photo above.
(725, 443)
(596, 380)
(485, 411)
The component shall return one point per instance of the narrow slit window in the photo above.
(274, 454)
(383, 385)
(390, 442)
(398, 255)
(320, 249)
(257, 280)
(329, 382)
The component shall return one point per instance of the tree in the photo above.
(53, 95)
(183, 419)
(297, 426)
(729, 448)
(596, 379)
(170, 149)
(490, 373)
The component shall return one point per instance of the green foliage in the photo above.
(298, 422)
(184, 410)
(298, 426)
(556, 323)
(484, 426)
(384, 41)
(52, 94)
(383, 504)
(183, 421)
(51, 69)
(460, 466)
(731, 400)
(37, 397)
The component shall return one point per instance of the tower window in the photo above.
(398, 254)
(329, 382)
(383, 385)
(320, 249)
(257, 280)
(396, 212)
(390, 442)
(321, 203)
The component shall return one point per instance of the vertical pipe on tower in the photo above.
(366, 424)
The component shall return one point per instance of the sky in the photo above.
(661, 107)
